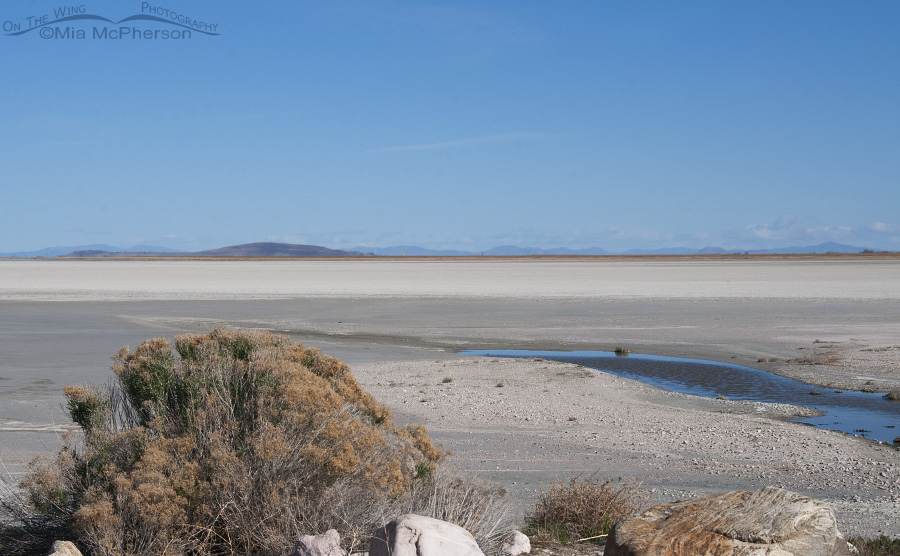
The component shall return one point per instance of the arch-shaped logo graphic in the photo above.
(68, 23)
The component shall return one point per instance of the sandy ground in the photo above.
(555, 420)
(832, 322)
(666, 278)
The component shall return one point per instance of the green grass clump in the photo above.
(880, 546)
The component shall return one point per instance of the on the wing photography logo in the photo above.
(77, 22)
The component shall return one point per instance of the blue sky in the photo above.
(466, 125)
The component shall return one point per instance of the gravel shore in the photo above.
(833, 322)
(553, 420)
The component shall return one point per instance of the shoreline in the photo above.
(819, 321)
(554, 420)
(874, 255)
(881, 378)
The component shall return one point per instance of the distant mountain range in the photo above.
(515, 251)
(269, 249)
(65, 250)
(244, 250)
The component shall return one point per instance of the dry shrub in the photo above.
(579, 509)
(475, 505)
(880, 546)
(23, 531)
(236, 442)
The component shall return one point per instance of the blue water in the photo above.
(858, 413)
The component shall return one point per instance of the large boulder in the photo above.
(416, 535)
(326, 544)
(771, 521)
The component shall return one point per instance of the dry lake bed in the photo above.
(831, 321)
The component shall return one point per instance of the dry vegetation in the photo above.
(582, 509)
(239, 442)
(881, 546)
(236, 442)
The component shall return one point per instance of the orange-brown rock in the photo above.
(772, 521)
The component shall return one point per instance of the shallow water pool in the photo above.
(858, 413)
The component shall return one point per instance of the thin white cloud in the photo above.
(782, 228)
(882, 227)
(782, 231)
(461, 143)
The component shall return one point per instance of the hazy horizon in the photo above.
(414, 250)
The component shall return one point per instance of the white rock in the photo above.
(416, 535)
(64, 548)
(328, 544)
(515, 543)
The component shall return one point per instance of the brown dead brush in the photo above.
(237, 442)
(475, 505)
(578, 509)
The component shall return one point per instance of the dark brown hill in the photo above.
(268, 249)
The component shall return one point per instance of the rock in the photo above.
(416, 535)
(843, 548)
(64, 548)
(515, 543)
(771, 522)
(328, 544)
(623, 351)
